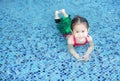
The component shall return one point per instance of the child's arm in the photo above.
(91, 47)
(71, 48)
(73, 52)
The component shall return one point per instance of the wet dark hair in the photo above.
(77, 19)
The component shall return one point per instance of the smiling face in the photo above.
(79, 27)
(80, 30)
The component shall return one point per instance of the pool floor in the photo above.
(32, 48)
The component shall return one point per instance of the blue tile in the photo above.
(32, 49)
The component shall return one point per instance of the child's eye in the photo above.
(77, 31)
(83, 31)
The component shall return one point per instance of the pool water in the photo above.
(32, 48)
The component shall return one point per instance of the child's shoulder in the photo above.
(89, 38)
(70, 40)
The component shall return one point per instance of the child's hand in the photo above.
(86, 57)
(80, 58)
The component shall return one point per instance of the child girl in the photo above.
(76, 33)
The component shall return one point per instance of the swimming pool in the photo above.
(32, 49)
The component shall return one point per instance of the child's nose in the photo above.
(80, 35)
